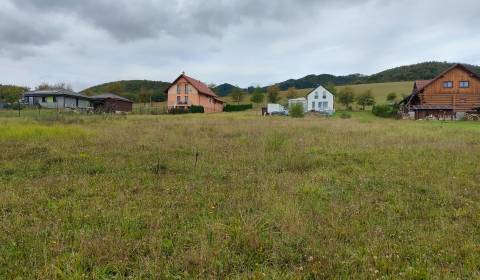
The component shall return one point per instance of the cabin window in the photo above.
(448, 84)
(44, 99)
(464, 84)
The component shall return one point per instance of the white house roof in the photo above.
(298, 99)
(317, 88)
(55, 92)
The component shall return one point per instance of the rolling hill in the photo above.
(390, 77)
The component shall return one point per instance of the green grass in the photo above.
(268, 198)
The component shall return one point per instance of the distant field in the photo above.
(380, 91)
(237, 196)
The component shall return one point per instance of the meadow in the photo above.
(238, 196)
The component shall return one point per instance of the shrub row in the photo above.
(385, 111)
(193, 109)
(237, 108)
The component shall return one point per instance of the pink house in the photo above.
(185, 92)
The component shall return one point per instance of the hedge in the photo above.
(237, 107)
(177, 111)
(197, 109)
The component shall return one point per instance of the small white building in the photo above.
(301, 101)
(273, 109)
(320, 100)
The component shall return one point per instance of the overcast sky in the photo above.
(243, 42)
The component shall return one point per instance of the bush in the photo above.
(345, 115)
(237, 108)
(197, 109)
(296, 111)
(385, 111)
(16, 106)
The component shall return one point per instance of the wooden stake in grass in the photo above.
(196, 158)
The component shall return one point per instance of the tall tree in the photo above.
(144, 96)
(391, 97)
(257, 96)
(272, 94)
(57, 86)
(292, 93)
(11, 94)
(237, 94)
(365, 99)
(346, 97)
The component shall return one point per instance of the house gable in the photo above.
(320, 99)
(454, 76)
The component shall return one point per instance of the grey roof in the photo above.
(110, 96)
(55, 92)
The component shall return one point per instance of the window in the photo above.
(54, 99)
(178, 100)
(316, 95)
(186, 88)
(448, 84)
(320, 105)
(186, 99)
(178, 89)
(44, 99)
(464, 84)
(325, 105)
(324, 95)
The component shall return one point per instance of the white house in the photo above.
(320, 100)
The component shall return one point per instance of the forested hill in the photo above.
(134, 90)
(420, 71)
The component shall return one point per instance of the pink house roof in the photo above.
(198, 85)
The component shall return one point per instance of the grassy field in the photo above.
(380, 91)
(238, 196)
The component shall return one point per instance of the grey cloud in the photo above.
(131, 20)
(19, 30)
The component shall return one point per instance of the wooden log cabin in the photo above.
(448, 96)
